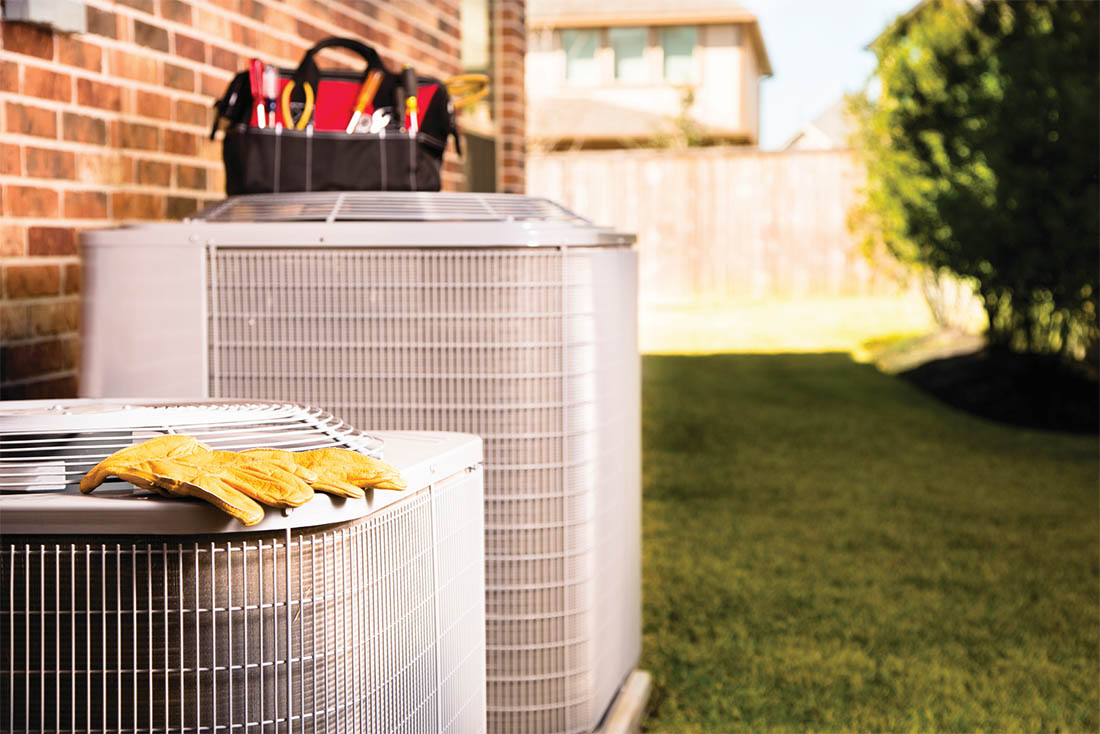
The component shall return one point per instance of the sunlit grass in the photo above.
(827, 549)
(833, 324)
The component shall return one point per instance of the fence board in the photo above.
(721, 224)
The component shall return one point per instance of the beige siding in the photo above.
(750, 92)
(725, 86)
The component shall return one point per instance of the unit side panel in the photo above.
(144, 322)
(319, 629)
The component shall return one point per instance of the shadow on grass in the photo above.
(827, 548)
(1026, 390)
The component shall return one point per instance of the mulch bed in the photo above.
(1019, 389)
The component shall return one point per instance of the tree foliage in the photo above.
(983, 160)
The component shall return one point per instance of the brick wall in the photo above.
(111, 126)
(508, 28)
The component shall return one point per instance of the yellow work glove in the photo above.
(161, 447)
(348, 473)
(181, 480)
(262, 480)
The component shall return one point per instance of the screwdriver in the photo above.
(271, 93)
(410, 101)
(366, 96)
(399, 104)
(255, 81)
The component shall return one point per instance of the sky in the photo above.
(816, 50)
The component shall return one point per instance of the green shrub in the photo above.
(983, 160)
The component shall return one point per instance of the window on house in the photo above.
(678, 43)
(629, 45)
(580, 55)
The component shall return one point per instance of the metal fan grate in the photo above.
(535, 351)
(390, 206)
(50, 449)
(375, 625)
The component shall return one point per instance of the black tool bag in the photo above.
(317, 153)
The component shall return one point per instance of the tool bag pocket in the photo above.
(267, 161)
(298, 140)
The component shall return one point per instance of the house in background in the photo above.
(631, 73)
(831, 130)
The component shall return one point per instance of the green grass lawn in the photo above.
(827, 549)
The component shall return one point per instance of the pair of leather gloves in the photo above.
(237, 483)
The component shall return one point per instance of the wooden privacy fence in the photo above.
(722, 224)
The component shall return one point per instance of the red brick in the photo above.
(190, 177)
(145, 6)
(134, 66)
(97, 94)
(180, 207)
(192, 113)
(51, 241)
(51, 388)
(13, 240)
(137, 206)
(83, 129)
(245, 35)
(25, 38)
(212, 23)
(9, 76)
(223, 58)
(179, 142)
(190, 48)
(154, 173)
(9, 159)
(129, 169)
(176, 11)
(103, 169)
(216, 179)
(31, 120)
(54, 317)
(179, 77)
(72, 278)
(101, 22)
(77, 53)
(30, 201)
(47, 163)
(32, 281)
(150, 36)
(84, 205)
(150, 104)
(20, 361)
(47, 84)
(14, 323)
(136, 135)
(214, 86)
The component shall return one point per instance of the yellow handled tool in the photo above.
(307, 110)
(366, 96)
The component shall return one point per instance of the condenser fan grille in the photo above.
(533, 350)
(51, 450)
(391, 206)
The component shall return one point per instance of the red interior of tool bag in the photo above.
(334, 103)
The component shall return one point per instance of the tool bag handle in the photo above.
(307, 70)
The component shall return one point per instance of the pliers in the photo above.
(307, 109)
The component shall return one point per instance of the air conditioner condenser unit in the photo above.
(504, 316)
(124, 611)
